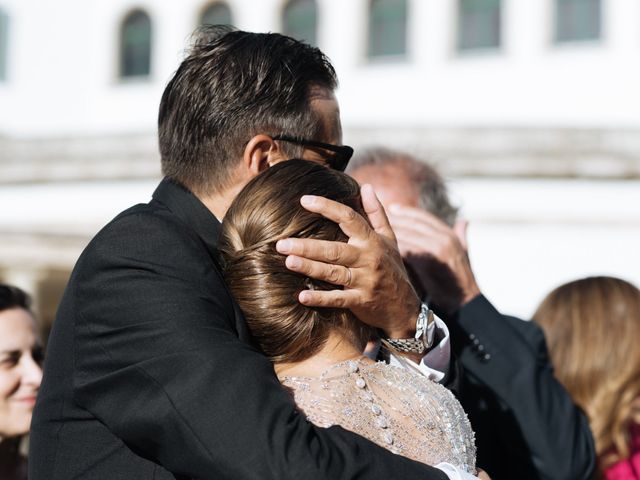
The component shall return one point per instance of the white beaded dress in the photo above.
(399, 410)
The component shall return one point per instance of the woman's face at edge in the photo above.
(20, 371)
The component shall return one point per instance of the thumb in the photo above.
(375, 212)
(460, 229)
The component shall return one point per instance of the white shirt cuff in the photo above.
(454, 473)
(435, 364)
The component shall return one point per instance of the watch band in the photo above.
(407, 345)
(424, 337)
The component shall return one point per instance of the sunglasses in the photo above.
(341, 154)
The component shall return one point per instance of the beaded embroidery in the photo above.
(397, 409)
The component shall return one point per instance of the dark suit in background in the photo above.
(526, 425)
(150, 373)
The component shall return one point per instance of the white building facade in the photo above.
(531, 107)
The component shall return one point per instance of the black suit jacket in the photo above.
(527, 427)
(150, 373)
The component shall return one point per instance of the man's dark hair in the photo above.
(13, 297)
(232, 86)
(432, 191)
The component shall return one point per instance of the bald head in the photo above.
(399, 178)
(391, 183)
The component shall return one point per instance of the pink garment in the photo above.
(629, 468)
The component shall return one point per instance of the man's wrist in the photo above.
(470, 294)
(419, 344)
(406, 326)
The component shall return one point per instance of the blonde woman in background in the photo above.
(20, 377)
(592, 327)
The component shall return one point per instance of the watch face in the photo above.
(425, 326)
(423, 339)
(431, 329)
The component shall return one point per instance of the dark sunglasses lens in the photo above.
(337, 163)
(340, 155)
(340, 160)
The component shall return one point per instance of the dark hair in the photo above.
(265, 211)
(232, 86)
(13, 297)
(430, 187)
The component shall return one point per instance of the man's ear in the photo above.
(260, 153)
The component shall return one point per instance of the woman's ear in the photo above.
(261, 152)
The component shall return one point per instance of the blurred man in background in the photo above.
(526, 424)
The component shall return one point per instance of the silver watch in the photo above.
(424, 337)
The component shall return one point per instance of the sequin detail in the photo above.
(397, 409)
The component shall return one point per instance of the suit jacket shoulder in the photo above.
(150, 375)
(526, 424)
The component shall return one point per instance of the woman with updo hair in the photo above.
(317, 352)
(592, 328)
(20, 377)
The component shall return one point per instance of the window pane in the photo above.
(300, 20)
(387, 27)
(135, 45)
(217, 14)
(478, 24)
(578, 20)
(4, 40)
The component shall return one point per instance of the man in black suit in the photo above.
(151, 373)
(527, 426)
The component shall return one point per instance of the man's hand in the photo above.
(369, 267)
(437, 254)
(482, 475)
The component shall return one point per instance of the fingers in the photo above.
(415, 238)
(338, 253)
(335, 274)
(410, 229)
(379, 291)
(460, 228)
(375, 212)
(408, 245)
(350, 222)
(422, 235)
(416, 215)
(329, 298)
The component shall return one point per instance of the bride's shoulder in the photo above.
(396, 372)
(393, 376)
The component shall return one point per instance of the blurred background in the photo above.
(530, 108)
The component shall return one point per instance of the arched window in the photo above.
(387, 27)
(300, 20)
(135, 45)
(4, 44)
(478, 24)
(578, 20)
(217, 13)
